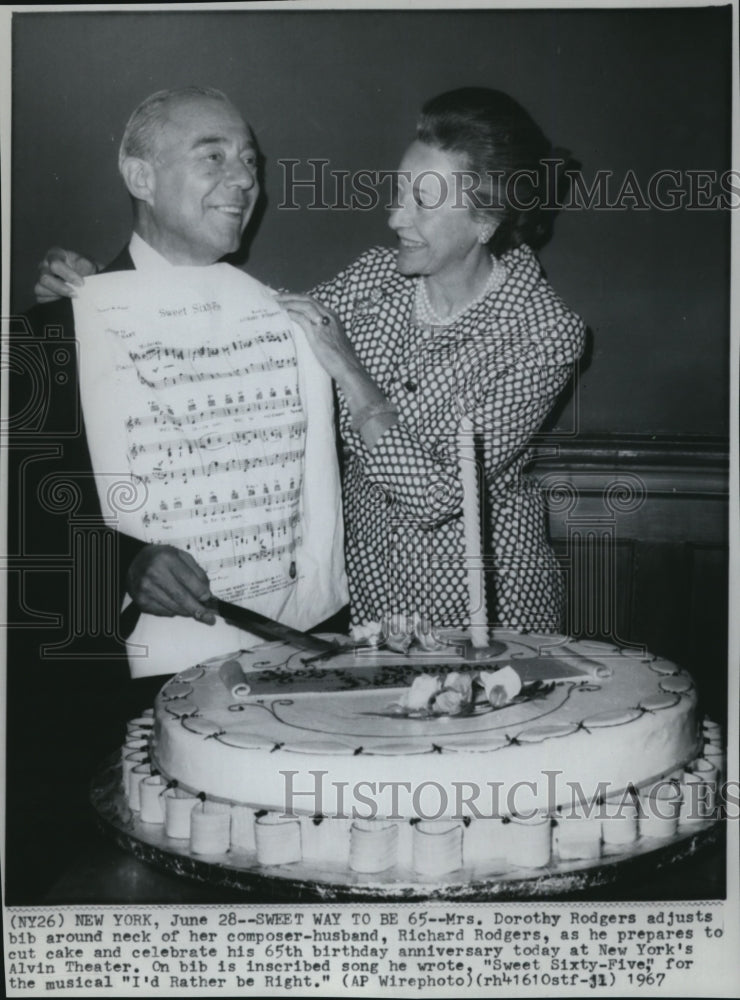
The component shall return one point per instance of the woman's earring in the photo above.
(485, 234)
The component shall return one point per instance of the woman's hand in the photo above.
(325, 334)
(60, 273)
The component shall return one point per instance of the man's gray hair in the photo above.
(139, 136)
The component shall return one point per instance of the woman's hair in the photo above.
(503, 152)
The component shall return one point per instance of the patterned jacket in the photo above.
(503, 363)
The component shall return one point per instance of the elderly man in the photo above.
(267, 520)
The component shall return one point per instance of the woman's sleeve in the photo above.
(523, 393)
(333, 293)
(507, 402)
(364, 274)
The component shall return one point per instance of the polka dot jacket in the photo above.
(502, 363)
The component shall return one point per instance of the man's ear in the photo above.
(138, 176)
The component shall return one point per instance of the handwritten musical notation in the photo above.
(292, 431)
(186, 378)
(159, 352)
(261, 555)
(281, 458)
(194, 417)
(208, 417)
(212, 445)
(204, 511)
(243, 534)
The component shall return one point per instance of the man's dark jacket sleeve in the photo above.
(51, 483)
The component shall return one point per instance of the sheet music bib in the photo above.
(210, 428)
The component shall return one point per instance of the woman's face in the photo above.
(437, 232)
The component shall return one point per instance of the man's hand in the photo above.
(166, 581)
(60, 273)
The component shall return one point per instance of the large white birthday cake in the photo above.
(426, 764)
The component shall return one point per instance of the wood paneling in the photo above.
(640, 527)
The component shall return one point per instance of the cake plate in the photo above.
(307, 882)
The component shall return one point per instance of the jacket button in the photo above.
(410, 386)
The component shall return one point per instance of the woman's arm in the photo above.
(508, 395)
(507, 404)
(372, 412)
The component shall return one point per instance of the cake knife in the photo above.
(267, 628)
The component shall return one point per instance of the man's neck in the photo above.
(176, 257)
(145, 256)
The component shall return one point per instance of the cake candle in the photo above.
(472, 534)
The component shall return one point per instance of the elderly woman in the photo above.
(457, 321)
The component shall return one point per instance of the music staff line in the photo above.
(215, 413)
(185, 378)
(210, 509)
(238, 560)
(206, 351)
(239, 536)
(215, 468)
(292, 431)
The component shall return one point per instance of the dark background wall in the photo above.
(640, 90)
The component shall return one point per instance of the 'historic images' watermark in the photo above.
(313, 185)
(311, 793)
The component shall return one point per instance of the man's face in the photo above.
(204, 182)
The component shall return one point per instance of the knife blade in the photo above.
(267, 628)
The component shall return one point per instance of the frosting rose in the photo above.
(501, 686)
(448, 702)
(462, 683)
(369, 633)
(424, 635)
(421, 692)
